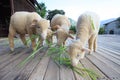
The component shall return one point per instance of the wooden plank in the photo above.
(105, 62)
(52, 72)
(107, 39)
(115, 60)
(39, 72)
(116, 49)
(110, 53)
(87, 64)
(8, 58)
(86, 77)
(106, 69)
(12, 66)
(109, 50)
(78, 77)
(4, 49)
(66, 73)
(25, 73)
(113, 65)
(112, 43)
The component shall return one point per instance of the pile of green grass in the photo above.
(60, 57)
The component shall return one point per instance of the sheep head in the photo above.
(41, 27)
(62, 35)
(76, 52)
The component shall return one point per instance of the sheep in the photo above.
(87, 30)
(61, 24)
(49, 36)
(31, 23)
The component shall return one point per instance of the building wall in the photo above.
(113, 26)
(23, 5)
(6, 11)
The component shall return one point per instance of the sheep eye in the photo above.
(78, 55)
(37, 27)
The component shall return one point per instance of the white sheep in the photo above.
(27, 23)
(61, 24)
(87, 30)
(49, 36)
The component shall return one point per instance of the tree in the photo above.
(118, 24)
(73, 26)
(118, 19)
(101, 31)
(43, 10)
(72, 29)
(51, 13)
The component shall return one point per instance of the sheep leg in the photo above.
(95, 44)
(51, 40)
(63, 43)
(11, 38)
(33, 42)
(91, 42)
(41, 41)
(22, 36)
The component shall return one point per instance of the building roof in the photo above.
(110, 22)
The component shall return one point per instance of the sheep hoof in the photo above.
(90, 52)
(12, 49)
(95, 51)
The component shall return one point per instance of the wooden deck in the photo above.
(105, 62)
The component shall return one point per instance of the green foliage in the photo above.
(93, 27)
(43, 10)
(72, 28)
(61, 58)
(73, 25)
(101, 31)
(118, 19)
(118, 25)
(51, 13)
(36, 50)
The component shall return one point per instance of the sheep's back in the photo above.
(89, 20)
(60, 20)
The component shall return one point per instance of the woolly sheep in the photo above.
(27, 23)
(87, 30)
(61, 24)
(49, 36)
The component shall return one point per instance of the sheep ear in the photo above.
(86, 50)
(34, 22)
(70, 36)
(55, 27)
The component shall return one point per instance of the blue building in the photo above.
(112, 27)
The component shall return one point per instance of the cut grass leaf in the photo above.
(60, 57)
(29, 57)
(36, 50)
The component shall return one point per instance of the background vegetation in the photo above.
(51, 13)
(101, 30)
(43, 10)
